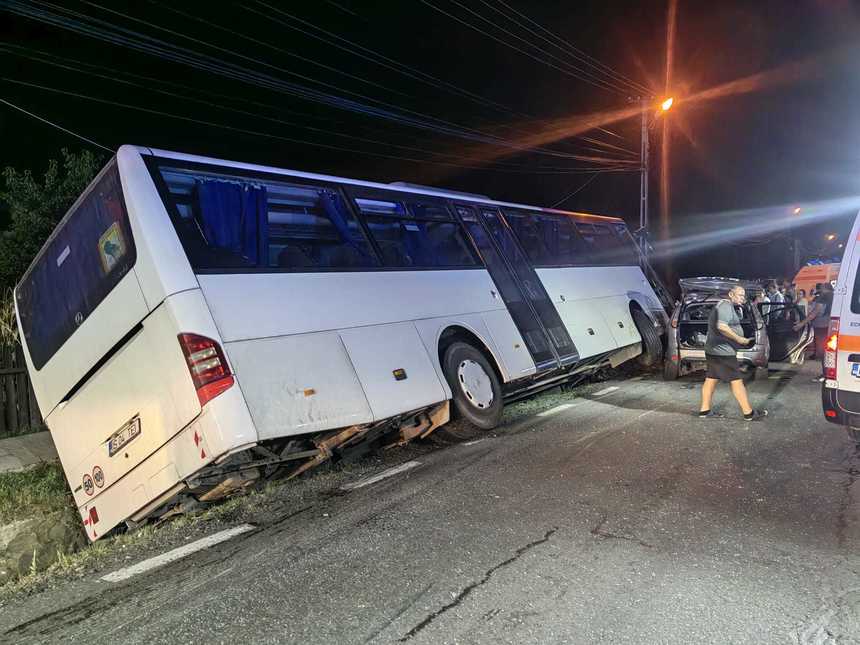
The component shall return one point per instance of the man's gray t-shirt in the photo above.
(717, 344)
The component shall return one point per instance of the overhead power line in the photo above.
(258, 133)
(54, 125)
(128, 38)
(578, 53)
(114, 76)
(584, 75)
(578, 190)
(573, 74)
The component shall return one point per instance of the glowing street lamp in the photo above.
(665, 105)
(796, 211)
(830, 237)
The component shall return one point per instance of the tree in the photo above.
(36, 206)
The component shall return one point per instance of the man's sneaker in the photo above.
(710, 414)
(755, 415)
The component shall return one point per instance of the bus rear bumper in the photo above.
(220, 429)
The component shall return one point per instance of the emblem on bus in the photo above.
(79, 318)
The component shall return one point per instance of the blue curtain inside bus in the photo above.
(235, 217)
(335, 209)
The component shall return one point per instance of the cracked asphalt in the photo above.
(620, 519)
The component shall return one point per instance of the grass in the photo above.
(42, 488)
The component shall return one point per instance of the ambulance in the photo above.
(840, 395)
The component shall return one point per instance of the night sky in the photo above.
(792, 136)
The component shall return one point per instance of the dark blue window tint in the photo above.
(607, 248)
(548, 239)
(415, 233)
(419, 244)
(87, 255)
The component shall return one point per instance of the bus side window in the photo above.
(415, 234)
(311, 227)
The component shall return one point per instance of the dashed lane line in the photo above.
(402, 468)
(556, 409)
(176, 554)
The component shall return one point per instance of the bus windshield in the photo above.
(87, 255)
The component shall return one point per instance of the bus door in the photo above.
(520, 288)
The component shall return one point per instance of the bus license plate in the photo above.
(123, 436)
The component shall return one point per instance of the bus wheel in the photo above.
(474, 384)
(652, 348)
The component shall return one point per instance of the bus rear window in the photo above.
(84, 259)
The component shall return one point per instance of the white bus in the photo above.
(193, 323)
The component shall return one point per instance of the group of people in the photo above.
(779, 292)
(726, 336)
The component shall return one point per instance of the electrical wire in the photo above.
(588, 76)
(214, 65)
(581, 55)
(113, 76)
(58, 127)
(520, 50)
(388, 63)
(258, 133)
(578, 190)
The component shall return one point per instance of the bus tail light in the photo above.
(830, 349)
(208, 366)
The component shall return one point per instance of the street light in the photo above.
(831, 237)
(797, 210)
(647, 109)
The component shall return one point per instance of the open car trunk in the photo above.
(693, 326)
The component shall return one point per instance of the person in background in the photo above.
(775, 308)
(802, 302)
(819, 316)
(763, 303)
(725, 336)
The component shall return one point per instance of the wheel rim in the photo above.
(475, 383)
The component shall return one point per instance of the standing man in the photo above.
(725, 335)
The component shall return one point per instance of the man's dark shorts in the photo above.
(723, 368)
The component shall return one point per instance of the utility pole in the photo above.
(643, 181)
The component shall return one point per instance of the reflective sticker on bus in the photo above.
(98, 476)
(89, 487)
(62, 257)
(112, 247)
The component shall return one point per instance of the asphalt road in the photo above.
(621, 519)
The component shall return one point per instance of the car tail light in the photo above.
(208, 366)
(830, 349)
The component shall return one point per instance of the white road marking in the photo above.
(402, 468)
(176, 554)
(636, 378)
(556, 409)
(472, 443)
(606, 391)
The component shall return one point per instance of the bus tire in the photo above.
(671, 370)
(652, 348)
(476, 390)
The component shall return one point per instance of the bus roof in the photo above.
(441, 192)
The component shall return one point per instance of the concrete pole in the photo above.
(643, 182)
